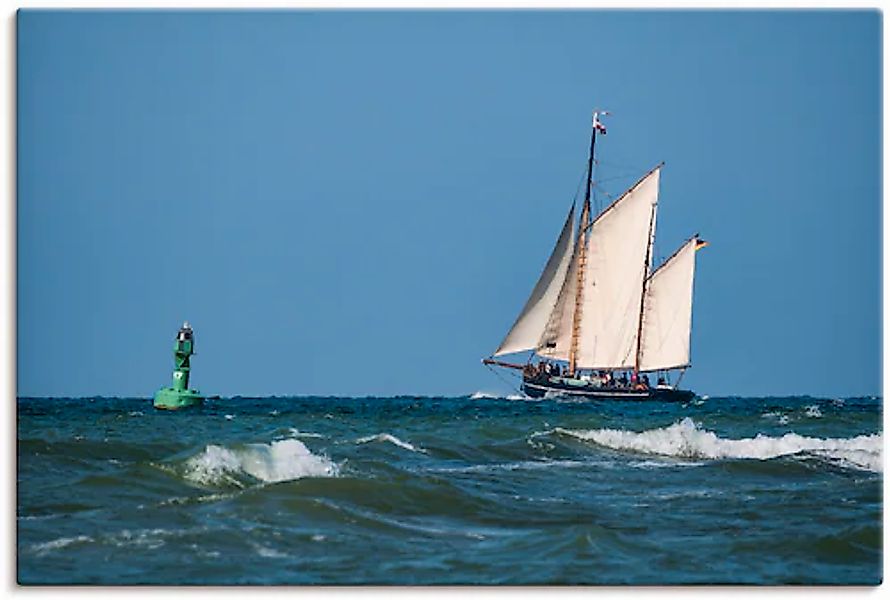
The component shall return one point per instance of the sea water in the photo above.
(472, 490)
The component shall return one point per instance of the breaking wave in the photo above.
(813, 411)
(685, 439)
(491, 396)
(282, 460)
(388, 437)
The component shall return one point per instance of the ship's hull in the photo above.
(538, 388)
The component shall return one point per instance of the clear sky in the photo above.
(358, 203)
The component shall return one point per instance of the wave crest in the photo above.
(282, 460)
(685, 439)
(388, 437)
(480, 395)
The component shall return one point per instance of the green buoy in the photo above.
(179, 395)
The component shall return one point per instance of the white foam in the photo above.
(388, 437)
(523, 465)
(662, 464)
(60, 543)
(267, 552)
(306, 434)
(687, 440)
(779, 417)
(145, 538)
(480, 395)
(813, 411)
(282, 460)
(174, 500)
(38, 517)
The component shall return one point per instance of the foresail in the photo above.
(667, 319)
(613, 283)
(555, 343)
(531, 322)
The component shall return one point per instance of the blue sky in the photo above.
(358, 203)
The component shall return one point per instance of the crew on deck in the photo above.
(546, 370)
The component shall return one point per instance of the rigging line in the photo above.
(595, 186)
(580, 183)
(627, 166)
(508, 383)
(627, 175)
(605, 193)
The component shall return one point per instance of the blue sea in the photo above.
(473, 490)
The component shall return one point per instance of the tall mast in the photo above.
(643, 295)
(582, 245)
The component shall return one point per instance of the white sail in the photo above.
(555, 343)
(613, 284)
(667, 320)
(617, 246)
(532, 320)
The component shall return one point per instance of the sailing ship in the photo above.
(600, 319)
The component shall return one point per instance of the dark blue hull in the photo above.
(539, 388)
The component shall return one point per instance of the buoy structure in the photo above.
(179, 395)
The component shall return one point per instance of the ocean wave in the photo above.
(150, 539)
(685, 439)
(388, 437)
(492, 396)
(294, 432)
(663, 464)
(282, 460)
(59, 543)
(267, 552)
(522, 465)
(780, 418)
(813, 411)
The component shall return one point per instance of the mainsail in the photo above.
(530, 324)
(667, 317)
(615, 269)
